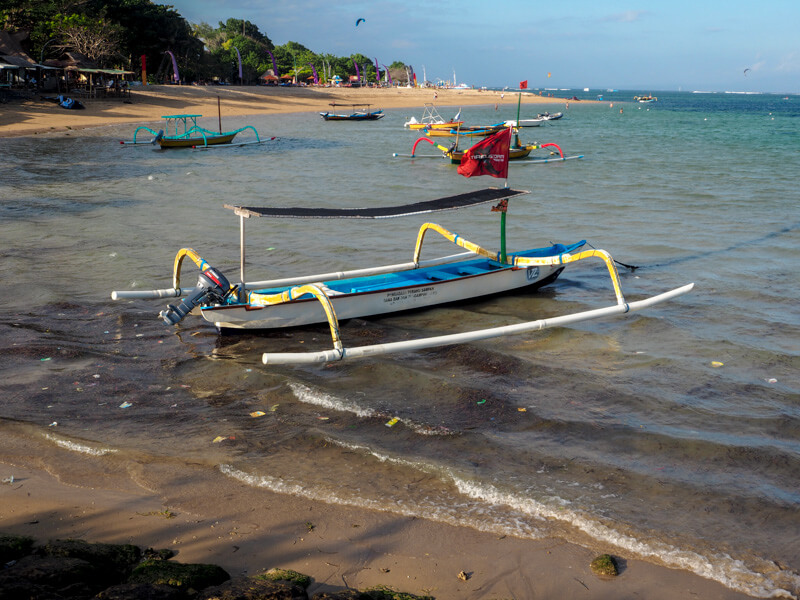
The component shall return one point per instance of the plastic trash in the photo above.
(257, 413)
(125, 405)
(392, 422)
(716, 363)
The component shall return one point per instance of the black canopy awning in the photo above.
(382, 212)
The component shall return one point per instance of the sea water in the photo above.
(670, 435)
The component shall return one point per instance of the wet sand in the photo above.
(208, 518)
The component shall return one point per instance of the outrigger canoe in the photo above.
(470, 131)
(431, 119)
(361, 112)
(517, 151)
(182, 131)
(330, 297)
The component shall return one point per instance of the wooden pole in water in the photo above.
(219, 114)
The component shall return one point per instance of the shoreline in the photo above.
(208, 518)
(148, 103)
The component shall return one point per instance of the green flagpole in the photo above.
(503, 237)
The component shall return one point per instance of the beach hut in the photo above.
(17, 69)
(84, 78)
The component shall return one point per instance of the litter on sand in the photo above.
(716, 363)
(257, 413)
(125, 405)
(392, 422)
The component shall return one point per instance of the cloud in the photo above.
(629, 16)
(789, 63)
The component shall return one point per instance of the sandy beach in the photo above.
(149, 103)
(208, 518)
(247, 531)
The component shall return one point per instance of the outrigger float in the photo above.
(182, 131)
(331, 297)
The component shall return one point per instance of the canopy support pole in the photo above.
(242, 291)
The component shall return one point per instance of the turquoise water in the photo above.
(623, 435)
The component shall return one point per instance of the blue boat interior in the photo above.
(423, 275)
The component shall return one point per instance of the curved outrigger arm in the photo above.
(523, 261)
(212, 288)
(256, 299)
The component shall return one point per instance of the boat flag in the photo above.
(487, 157)
(523, 85)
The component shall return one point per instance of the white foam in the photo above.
(81, 448)
(456, 515)
(317, 398)
(720, 567)
(308, 396)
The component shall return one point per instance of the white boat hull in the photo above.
(308, 311)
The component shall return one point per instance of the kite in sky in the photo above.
(360, 21)
(745, 72)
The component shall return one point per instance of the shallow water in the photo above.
(608, 433)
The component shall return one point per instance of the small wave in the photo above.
(80, 448)
(450, 514)
(308, 396)
(728, 571)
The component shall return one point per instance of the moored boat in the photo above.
(546, 116)
(431, 119)
(417, 284)
(182, 131)
(360, 112)
(524, 122)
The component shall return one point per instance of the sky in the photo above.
(643, 45)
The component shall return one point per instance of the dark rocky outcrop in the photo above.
(79, 570)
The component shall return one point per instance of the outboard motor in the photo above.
(212, 288)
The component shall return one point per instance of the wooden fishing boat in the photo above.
(360, 112)
(516, 151)
(470, 131)
(645, 99)
(431, 119)
(329, 297)
(524, 122)
(546, 116)
(182, 131)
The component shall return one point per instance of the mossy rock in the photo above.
(254, 588)
(286, 575)
(117, 558)
(382, 592)
(605, 566)
(140, 591)
(14, 547)
(179, 575)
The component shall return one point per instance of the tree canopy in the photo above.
(117, 33)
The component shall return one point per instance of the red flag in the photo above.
(523, 85)
(487, 157)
